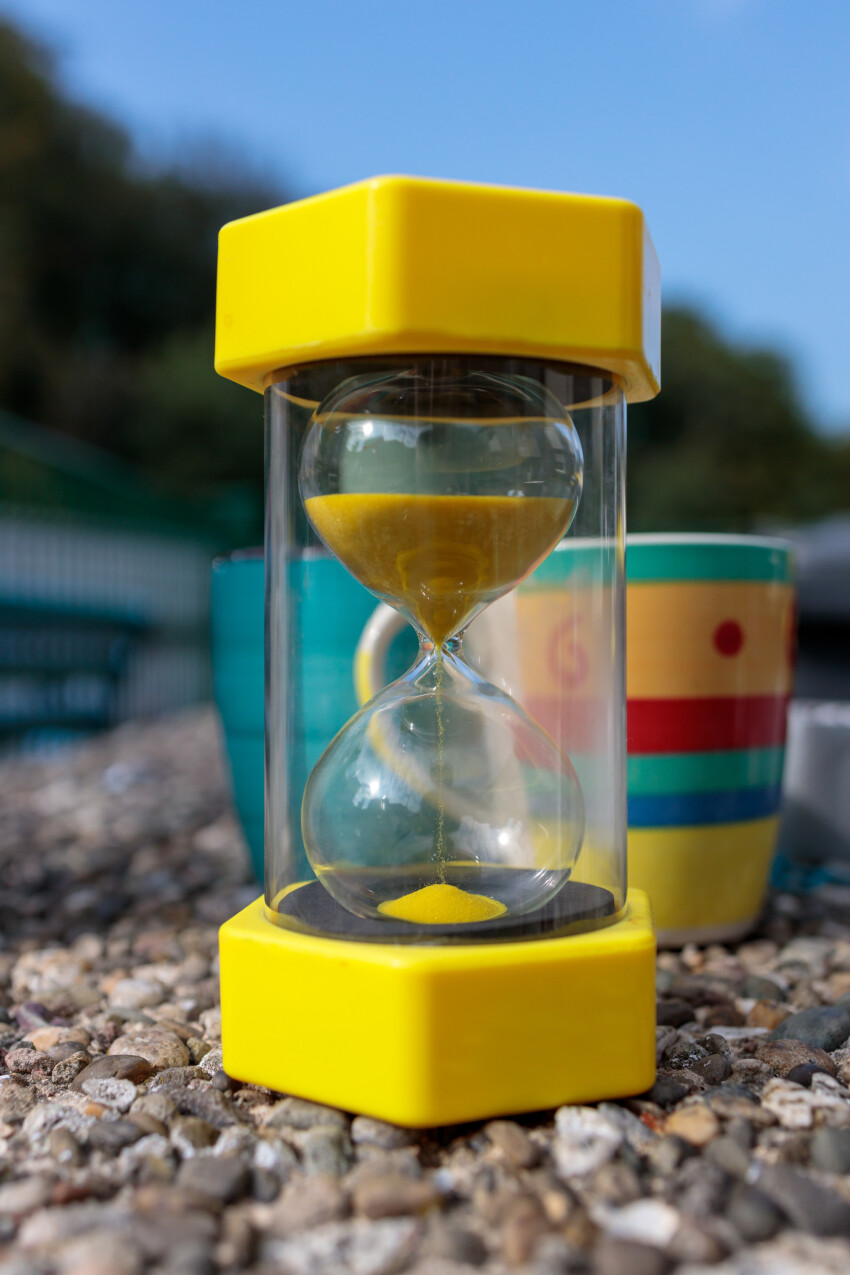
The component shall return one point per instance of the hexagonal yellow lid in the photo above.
(401, 265)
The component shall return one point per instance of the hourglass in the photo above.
(441, 488)
(446, 916)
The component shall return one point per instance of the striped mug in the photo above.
(710, 649)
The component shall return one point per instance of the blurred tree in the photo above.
(727, 444)
(107, 284)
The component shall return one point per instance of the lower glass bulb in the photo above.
(442, 802)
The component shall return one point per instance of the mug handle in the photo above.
(370, 656)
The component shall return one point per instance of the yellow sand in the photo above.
(443, 905)
(439, 556)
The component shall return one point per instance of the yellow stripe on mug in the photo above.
(722, 638)
(708, 881)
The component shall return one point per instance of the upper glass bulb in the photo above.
(440, 491)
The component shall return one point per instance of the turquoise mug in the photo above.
(334, 611)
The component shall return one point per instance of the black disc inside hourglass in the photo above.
(575, 905)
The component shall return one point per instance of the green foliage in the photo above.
(727, 444)
(108, 287)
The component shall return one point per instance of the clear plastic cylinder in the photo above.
(445, 684)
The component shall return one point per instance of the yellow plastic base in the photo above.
(421, 1035)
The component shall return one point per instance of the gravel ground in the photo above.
(124, 1147)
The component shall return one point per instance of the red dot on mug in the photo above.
(728, 637)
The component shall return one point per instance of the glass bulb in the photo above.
(442, 779)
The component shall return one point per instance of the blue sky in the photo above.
(727, 120)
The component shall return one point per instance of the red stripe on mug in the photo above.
(577, 724)
(706, 725)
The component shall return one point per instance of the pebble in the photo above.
(701, 1188)
(695, 1242)
(159, 1046)
(585, 1140)
(101, 1253)
(664, 1037)
(112, 1136)
(616, 1183)
(762, 989)
(218, 1178)
(265, 1186)
(714, 1069)
(644, 1222)
(805, 1073)
(65, 1148)
(637, 1133)
(725, 1014)
(176, 1076)
(190, 1134)
(308, 1202)
(513, 1143)
(393, 1195)
(697, 1124)
(46, 1116)
(15, 1101)
(667, 1091)
(357, 1247)
(683, 1052)
(235, 1247)
(44, 1038)
(157, 1105)
(275, 1156)
(297, 1113)
(198, 1049)
(782, 1056)
(327, 1149)
(152, 1155)
(809, 1206)
(668, 1153)
(729, 1155)
(136, 993)
(825, 1027)
(754, 1216)
(375, 1133)
(798, 1108)
(738, 1102)
(119, 1094)
(24, 1196)
(743, 1131)
(212, 1061)
(67, 1070)
(149, 1124)
(625, 1257)
(523, 1223)
(453, 1243)
(830, 1150)
(810, 952)
(208, 1104)
(222, 1082)
(26, 1061)
(767, 1014)
(673, 1013)
(115, 1066)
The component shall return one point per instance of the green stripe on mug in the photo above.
(704, 772)
(708, 557)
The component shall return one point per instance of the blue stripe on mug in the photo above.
(671, 810)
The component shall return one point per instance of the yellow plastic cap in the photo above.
(401, 265)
